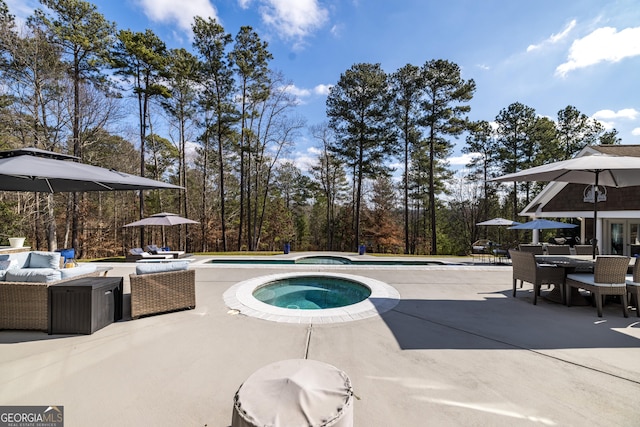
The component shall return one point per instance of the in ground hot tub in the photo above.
(311, 297)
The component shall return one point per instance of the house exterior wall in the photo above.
(570, 199)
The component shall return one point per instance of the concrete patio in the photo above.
(457, 350)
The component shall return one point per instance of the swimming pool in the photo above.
(326, 260)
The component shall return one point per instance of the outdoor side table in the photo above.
(84, 305)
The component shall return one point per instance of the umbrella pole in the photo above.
(595, 216)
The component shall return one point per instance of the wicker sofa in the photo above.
(162, 287)
(24, 291)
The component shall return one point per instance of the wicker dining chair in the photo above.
(534, 249)
(633, 286)
(526, 269)
(584, 249)
(608, 278)
(558, 250)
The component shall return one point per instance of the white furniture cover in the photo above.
(296, 392)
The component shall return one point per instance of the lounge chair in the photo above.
(155, 250)
(526, 269)
(608, 278)
(137, 254)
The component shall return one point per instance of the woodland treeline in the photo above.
(219, 121)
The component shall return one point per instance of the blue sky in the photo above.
(546, 54)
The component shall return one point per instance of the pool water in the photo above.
(312, 292)
(318, 259)
(326, 260)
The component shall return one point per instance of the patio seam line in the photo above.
(517, 346)
(308, 343)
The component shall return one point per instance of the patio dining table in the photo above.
(570, 264)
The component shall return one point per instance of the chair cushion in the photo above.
(77, 271)
(161, 267)
(589, 280)
(44, 260)
(32, 275)
(630, 281)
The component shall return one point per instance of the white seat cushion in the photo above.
(33, 275)
(588, 279)
(630, 281)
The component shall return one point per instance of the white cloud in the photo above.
(603, 44)
(297, 92)
(635, 132)
(554, 38)
(463, 159)
(314, 151)
(483, 67)
(182, 12)
(292, 19)
(305, 160)
(322, 89)
(607, 118)
(626, 113)
(607, 124)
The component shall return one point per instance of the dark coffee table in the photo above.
(82, 306)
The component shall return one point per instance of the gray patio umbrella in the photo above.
(498, 222)
(31, 169)
(596, 169)
(163, 218)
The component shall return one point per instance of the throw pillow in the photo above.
(44, 260)
(6, 265)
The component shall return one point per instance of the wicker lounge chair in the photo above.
(162, 292)
(526, 269)
(608, 278)
(633, 286)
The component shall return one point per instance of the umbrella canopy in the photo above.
(31, 169)
(163, 218)
(498, 221)
(542, 224)
(596, 169)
